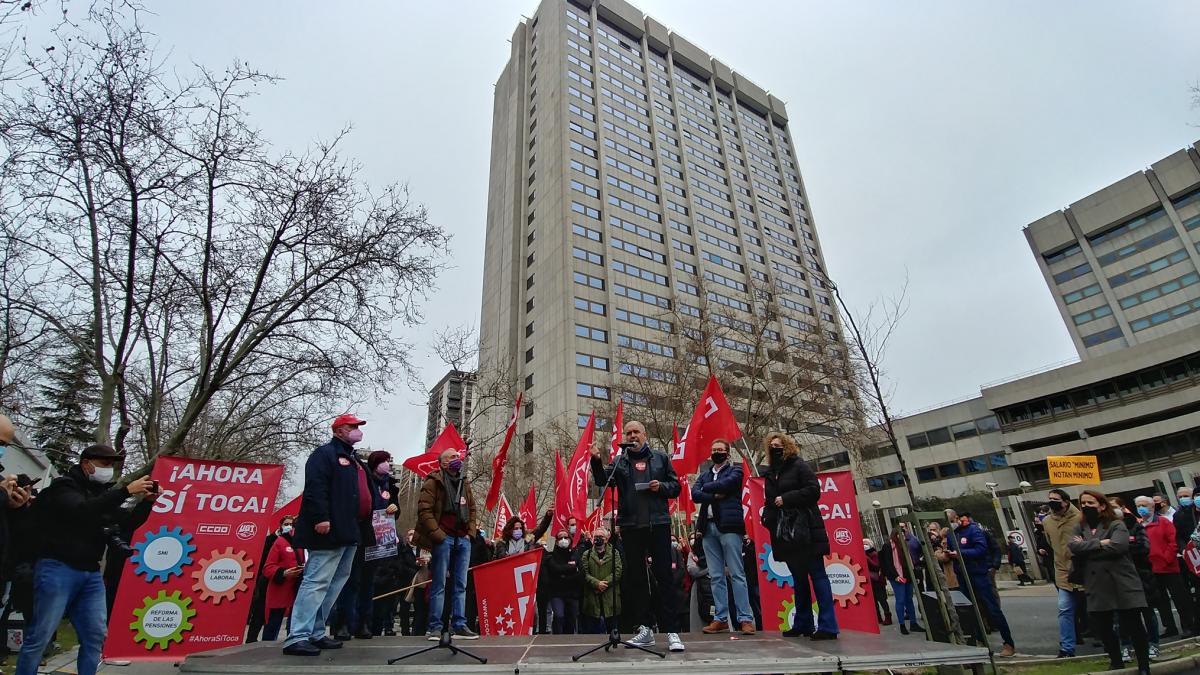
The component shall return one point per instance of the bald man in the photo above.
(645, 481)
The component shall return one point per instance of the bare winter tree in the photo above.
(233, 292)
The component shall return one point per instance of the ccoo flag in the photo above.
(505, 591)
(425, 464)
(712, 419)
(501, 457)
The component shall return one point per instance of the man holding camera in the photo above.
(645, 482)
(77, 515)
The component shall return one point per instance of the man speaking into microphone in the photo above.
(645, 481)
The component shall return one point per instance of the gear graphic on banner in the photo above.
(221, 575)
(787, 615)
(777, 572)
(163, 554)
(162, 619)
(845, 578)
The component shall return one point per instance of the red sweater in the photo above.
(281, 590)
(1163, 546)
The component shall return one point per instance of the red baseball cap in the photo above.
(348, 419)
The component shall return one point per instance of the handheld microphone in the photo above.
(627, 446)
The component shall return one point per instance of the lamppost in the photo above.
(1000, 517)
(879, 534)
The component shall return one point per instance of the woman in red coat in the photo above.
(282, 570)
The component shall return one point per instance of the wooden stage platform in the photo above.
(551, 655)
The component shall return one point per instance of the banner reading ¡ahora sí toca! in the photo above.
(187, 588)
(846, 564)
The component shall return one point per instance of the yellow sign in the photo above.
(1073, 469)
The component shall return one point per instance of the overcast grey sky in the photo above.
(928, 135)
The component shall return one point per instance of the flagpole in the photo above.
(749, 457)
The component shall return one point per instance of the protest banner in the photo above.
(505, 592)
(1073, 469)
(188, 586)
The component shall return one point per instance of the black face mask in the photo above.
(1092, 515)
(776, 455)
(719, 458)
(1057, 506)
(598, 542)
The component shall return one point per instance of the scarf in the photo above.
(452, 487)
(896, 560)
(515, 546)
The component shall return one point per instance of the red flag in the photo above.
(501, 457)
(562, 501)
(291, 508)
(505, 594)
(747, 516)
(712, 419)
(502, 515)
(528, 512)
(615, 444)
(684, 501)
(593, 520)
(578, 470)
(425, 464)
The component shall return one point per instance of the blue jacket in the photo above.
(331, 494)
(973, 549)
(728, 509)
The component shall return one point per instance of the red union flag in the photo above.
(1191, 556)
(712, 419)
(615, 443)
(562, 503)
(505, 592)
(684, 501)
(502, 515)
(501, 457)
(528, 512)
(425, 464)
(578, 471)
(746, 501)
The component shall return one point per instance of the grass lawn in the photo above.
(1089, 665)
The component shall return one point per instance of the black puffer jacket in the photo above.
(564, 574)
(795, 481)
(72, 514)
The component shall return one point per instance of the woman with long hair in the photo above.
(791, 494)
(1100, 543)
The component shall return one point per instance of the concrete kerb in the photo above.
(1185, 663)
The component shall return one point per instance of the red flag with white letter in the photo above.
(425, 464)
(505, 591)
(578, 473)
(615, 444)
(502, 515)
(501, 457)
(562, 501)
(712, 419)
(528, 512)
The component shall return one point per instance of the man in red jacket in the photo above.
(1165, 564)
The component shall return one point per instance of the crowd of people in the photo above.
(1119, 571)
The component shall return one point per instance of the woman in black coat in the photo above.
(792, 486)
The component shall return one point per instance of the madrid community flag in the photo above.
(528, 511)
(425, 464)
(502, 515)
(501, 457)
(505, 591)
(712, 419)
(615, 443)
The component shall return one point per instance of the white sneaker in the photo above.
(674, 643)
(1153, 652)
(644, 637)
(1125, 654)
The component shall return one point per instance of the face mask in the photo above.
(3, 447)
(776, 455)
(866, 548)
(353, 436)
(1092, 515)
(1057, 506)
(598, 542)
(384, 468)
(719, 458)
(1185, 502)
(518, 534)
(675, 545)
(286, 529)
(563, 543)
(572, 530)
(1143, 511)
(1159, 507)
(102, 474)
(455, 465)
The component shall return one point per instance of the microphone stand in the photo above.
(614, 630)
(445, 641)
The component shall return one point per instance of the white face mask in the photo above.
(563, 543)
(102, 474)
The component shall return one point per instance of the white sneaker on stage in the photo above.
(644, 637)
(674, 643)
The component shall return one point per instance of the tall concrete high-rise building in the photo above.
(1122, 262)
(450, 401)
(642, 195)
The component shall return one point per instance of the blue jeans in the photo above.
(904, 601)
(454, 553)
(725, 551)
(325, 573)
(1066, 621)
(986, 596)
(804, 567)
(60, 589)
